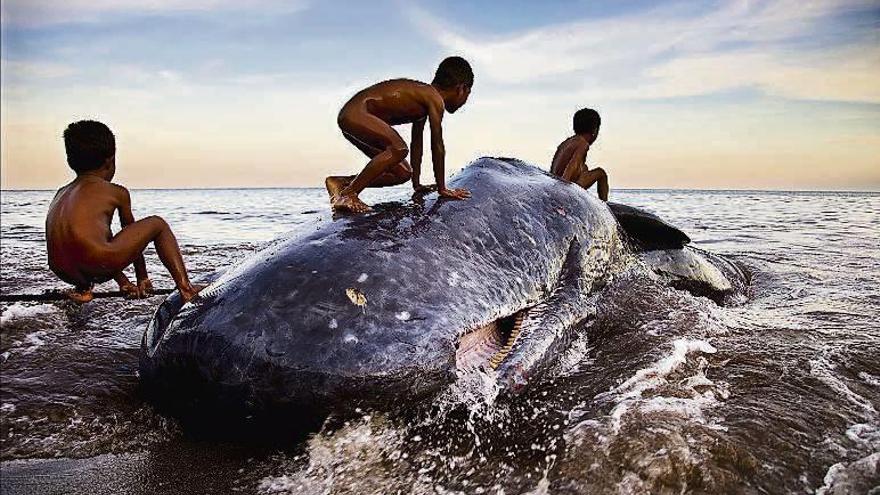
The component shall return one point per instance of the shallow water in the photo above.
(665, 393)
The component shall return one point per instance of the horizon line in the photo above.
(658, 189)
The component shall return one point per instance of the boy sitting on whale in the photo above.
(82, 249)
(366, 120)
(570, 159)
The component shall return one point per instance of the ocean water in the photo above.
(666, 393)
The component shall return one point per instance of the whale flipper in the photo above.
(646, 231)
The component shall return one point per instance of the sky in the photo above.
(772, 94)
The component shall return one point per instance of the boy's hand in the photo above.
(145, 287)
(454, 193)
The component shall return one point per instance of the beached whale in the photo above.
(391, 305)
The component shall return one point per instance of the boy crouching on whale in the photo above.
(82, 249)
(570, 160)
(366, 120)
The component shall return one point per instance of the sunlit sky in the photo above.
(776, 94)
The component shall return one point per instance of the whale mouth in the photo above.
(487, 346)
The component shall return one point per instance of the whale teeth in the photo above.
(502, 353)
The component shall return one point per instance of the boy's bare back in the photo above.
(572, 151)
(78, 225)
(397, 101)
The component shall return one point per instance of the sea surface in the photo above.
(665, 393)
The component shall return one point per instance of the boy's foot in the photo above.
(145, 287)
(80, 296)
(191, 292)
(348, 202)
(335, 185)
(421, 190)
(130, 291)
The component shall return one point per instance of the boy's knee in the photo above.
(157, 222)
(601, 172)
(399, 151)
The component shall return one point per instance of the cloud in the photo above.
(837, 75)
(674, 51)
(35, 70)
(47, 12)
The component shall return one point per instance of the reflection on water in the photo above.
(665, 393)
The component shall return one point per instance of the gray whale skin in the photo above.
(390, 306)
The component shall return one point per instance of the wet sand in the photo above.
(174, 468)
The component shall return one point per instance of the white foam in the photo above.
(692, 408)
(668, 405)
(575, 358)
(865, 434)
(35, 339)
(869, 379)
(821, 369)
(654, 376)
(543, 486)
(30, 343)
(476, 389)
(336, 457)
(19, 311)
(654, 327)
(364, 456)
(637, 394)
(853, 477)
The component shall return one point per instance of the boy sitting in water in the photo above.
(366, 121)
(82, 250)
(570, 160)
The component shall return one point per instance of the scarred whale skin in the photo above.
(371, 305)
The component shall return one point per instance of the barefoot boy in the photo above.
(570, 160)
(82, 250)
(366, 122)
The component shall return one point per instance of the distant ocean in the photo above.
(670, 394)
